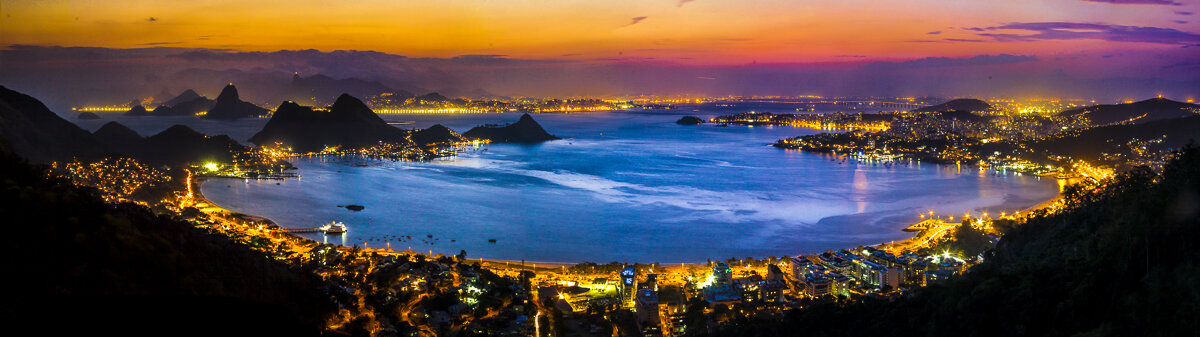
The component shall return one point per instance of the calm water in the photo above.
(621, 186)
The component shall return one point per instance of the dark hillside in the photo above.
(89, 268)
(1122, 260)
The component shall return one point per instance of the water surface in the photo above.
(624, 186)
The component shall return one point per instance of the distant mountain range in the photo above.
(1136, 113)
(39, 135)
(961, 104)
(320, 89)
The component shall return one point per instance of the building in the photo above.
(628, 286)
(647, 309)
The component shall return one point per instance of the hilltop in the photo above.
(348, 123)
(436, 134)
(185, 96)
(1136, 113)
(525, 130)
(961, 104)
(229, 106)
(29, 129)
(1092, 144)
(188, 103)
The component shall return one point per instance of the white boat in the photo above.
(334, 228)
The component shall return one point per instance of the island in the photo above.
(525, 130)
(689, 120)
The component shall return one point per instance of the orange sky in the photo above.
(700, 31)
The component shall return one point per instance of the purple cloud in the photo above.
(681, 2)
(1138, 2)
(1183, 13)
(934, 32)
(636, 20)
(1094, 31)
(964, 40)
(937, 62)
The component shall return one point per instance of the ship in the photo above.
(333, 228)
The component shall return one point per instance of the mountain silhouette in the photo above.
(432, 97)
(137, 110)
(32, 131)
(191, 108)
(117, 137)
(961, 104)
(1136, 113)
(185, 96)
(525, 130)
(348, 123)
(436, 134)
(230, 106)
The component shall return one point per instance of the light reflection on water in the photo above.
(625, 186)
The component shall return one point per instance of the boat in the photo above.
(333, 228)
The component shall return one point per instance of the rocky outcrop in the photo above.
(525, 130)
(230, 106)
(689, 120)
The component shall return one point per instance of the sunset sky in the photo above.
(1080, 38)
(700, 31)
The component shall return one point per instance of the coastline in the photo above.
(198, 197)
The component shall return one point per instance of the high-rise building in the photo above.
(628, 286)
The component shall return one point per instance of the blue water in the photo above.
(623, 186)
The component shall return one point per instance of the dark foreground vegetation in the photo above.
(79, 266)
(1120, 261)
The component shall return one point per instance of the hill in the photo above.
(137, 110)
(966, 116)
(436, 134)
(348, 122)
(122, 270)
(689, 120)
(525, 130)
(185, 96)
(432, 97)
(87, 115)
(39, 135)
(229, 106)
(961, 104)
(176, 145)
(1117, 261)
(117, 138)
(189, 108)
(1092, 144)
(1136, 113)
